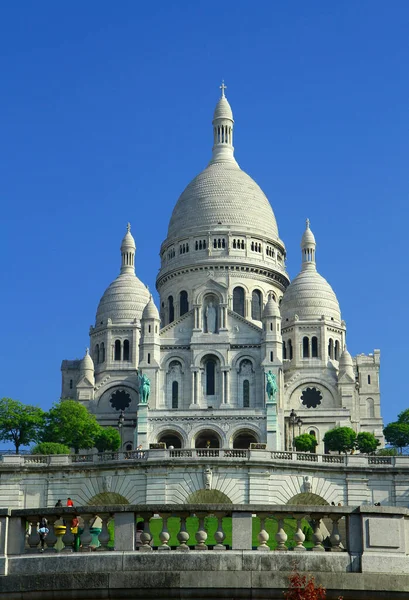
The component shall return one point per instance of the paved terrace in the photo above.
(370, 561)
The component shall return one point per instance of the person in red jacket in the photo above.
(70, 502)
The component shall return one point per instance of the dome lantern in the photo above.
(223, 130)
(308, 245)
(128, 248)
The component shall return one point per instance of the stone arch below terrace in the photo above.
(104, 498)
(208, 497)
(308, 499)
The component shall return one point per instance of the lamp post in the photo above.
(293, 421)
(121, 420)
(299, 423)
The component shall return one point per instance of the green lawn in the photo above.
(211, 527)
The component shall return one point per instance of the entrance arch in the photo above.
(170, 438)
(242, 439)
(308, 499)
(205, 436)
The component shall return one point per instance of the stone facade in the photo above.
(227, 316)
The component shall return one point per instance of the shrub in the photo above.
(50, 448)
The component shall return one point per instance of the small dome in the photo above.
(310, 296)
(223, 110)
(345, 360)
(271, 309)
(123, 301)
(150, 311)
(87, 364)
(128, 240)
(308, 238)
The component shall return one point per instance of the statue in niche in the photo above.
(210, 313)
(271, 387)
(107, 483)
(144, 388)
(307, 485)
(207, 478)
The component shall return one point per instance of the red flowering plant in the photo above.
(302, 587)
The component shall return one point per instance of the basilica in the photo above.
(191, 372)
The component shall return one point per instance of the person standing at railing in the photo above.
(70, 502)
(43, 531)
(58, 504)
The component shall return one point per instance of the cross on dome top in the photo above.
(307, 222)
(223, 87)
(128, 227)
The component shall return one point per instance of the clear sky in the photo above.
(105, 117)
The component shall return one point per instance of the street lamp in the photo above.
(293, 421)
(121, 420)
(299, 423)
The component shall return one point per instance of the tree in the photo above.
(403, 417)
(366, 442)
(397, 434)
(387, 452)
(69, 422)
(341, 439)
(19, 423)
(50, 448)
(305, 442)
(107, 440)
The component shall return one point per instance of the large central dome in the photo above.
(225, 195)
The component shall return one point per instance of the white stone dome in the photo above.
(309, 296)
(87, 364)
(224, 195)
(150, 311)
(223, 110)
(271, 309)
(124, 300)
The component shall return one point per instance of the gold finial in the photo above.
(128, 227)
(223, 87)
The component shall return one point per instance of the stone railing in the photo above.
(205, 454)
(383, 529)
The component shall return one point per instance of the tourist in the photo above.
(139, 532)
(74, 529)
(43, 531)
(58, 504)
(70, 502)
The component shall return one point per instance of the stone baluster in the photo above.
(201, 535)
(317, 535)
(68, 537)
(299, 537)
(263, 536)
(164, 535)
(219, 535)
(86, 536)
(183, 536)
(59, 530)
(146, 536)
(281, 536)
(104, 536)
(51, 538)
(335, 537)
(34, 537)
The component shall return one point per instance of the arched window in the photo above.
(117, 355)
(331, 348)
(246, 393)
(210, 377)
(175, 394)
(336, 350)
(305, 347)
(290, 350)
(238, 300)
(102, 352)
(184, 304)
(314, 347)
(284, 351)
(370, 408)
(126, 350)
(97, 354)
(71, 384)
(171, 309)
(256, 305)
(271, 356)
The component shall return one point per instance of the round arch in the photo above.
(171, 358)
(199, 299)
(310, 381)
(106, 498)
(171, 438)
(308, 499)
(241, 438)
(203, 436)
(201, 355)
(175, 430)
(243, 356)
(103, 401)
(208, 497)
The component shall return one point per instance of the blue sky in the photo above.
(105, 117)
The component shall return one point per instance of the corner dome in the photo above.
(123, 301)
(225, 195)
(87, 364)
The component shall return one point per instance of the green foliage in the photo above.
(397, 434)
(341, 439)
(305, 442)
(50, 448)
(19, 423)
(366, 442)
(403, 417)
(108, 440)
(70, 423)
(387, 452)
